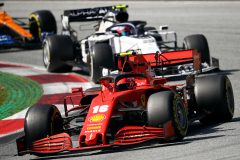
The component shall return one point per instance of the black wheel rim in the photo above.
(57, 124)
(46, 55)
(34, 29)
(230, 100)
(181, 116)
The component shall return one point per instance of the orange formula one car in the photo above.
(128, 108)
(25, 32)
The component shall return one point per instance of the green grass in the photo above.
(3, 94)
(17, 93)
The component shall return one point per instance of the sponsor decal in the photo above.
(88, 12)
(94, 128)
(6, 39)
(93, 131)
(97, 118)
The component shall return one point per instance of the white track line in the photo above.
(21, 114)
(22, 71)
(64, 87)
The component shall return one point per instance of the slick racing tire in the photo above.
(101, 60)
(198, 42)
(42, 22)
(58, 49)
(168, 106)
(42, 120)
(214, 95)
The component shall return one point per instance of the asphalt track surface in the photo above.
(218, 21)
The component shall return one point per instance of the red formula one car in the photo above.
(128, 108)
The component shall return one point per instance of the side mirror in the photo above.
(106, 84)
(163, 27)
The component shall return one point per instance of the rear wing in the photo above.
(140, 63)
(92, 14)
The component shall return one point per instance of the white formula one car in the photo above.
(114, 35)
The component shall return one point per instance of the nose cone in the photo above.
(91, 139)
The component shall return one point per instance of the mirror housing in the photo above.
(163, 27)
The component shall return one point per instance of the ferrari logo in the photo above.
(90, 137)
(143, 99)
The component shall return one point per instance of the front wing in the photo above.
(62, 143)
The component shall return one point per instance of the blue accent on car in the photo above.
(44, 35)
(6, 39)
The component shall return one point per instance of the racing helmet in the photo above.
(126, 83)
(122, 16)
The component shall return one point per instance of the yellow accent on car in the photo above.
(128, 53)
(35, 17)
(121, 6)
(94, 127)
(97, 118)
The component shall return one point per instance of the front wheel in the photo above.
(168, 106)
(42, 120)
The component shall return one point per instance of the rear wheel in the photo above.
(42, 120)
(42, 22)
(58, 49)
(168, 106)
(214, 94)
(198, 42)
(102, 61)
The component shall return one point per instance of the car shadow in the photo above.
(227, 71)
(15, 50)
(3, 51)
(197, 132)
(83, 72)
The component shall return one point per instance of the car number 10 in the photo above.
(100, 109)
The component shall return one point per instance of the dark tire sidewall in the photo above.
(95, 71)
(40, 22)
(42, 121)
(215, 96)
(101, 57)
(163, 107)
(198, 42)
(60, 49)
